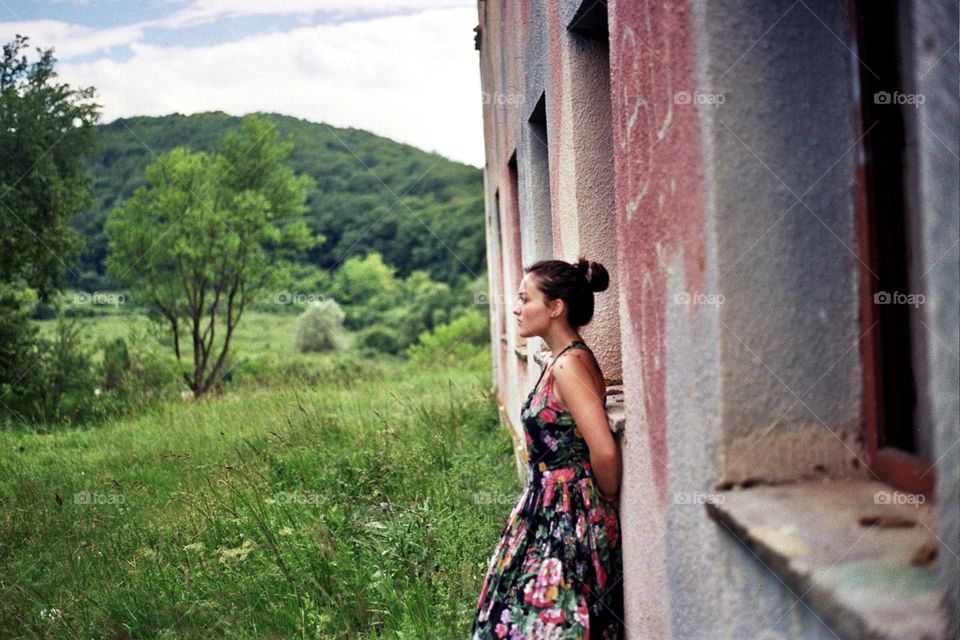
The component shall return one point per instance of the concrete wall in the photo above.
(729, 222)
(934, 50)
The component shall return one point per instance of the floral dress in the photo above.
(557, 571)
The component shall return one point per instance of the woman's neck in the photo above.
(557, 341)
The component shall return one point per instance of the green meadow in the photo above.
(316, 496)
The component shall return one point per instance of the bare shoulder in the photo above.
(576, 360)
(575, 368)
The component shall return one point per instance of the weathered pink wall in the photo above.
(659, 185)
(660, 205)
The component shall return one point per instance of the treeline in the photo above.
(418, 210)
(193, 220)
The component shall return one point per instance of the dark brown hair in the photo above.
(568, 282)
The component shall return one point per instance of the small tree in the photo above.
(206, 236)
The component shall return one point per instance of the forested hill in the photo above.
(418, 209)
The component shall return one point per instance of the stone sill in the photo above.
(854, 550)
(540, 357)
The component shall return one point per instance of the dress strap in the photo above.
(562, 351)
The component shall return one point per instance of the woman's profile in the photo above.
(557, 569)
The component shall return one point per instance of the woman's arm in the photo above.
(573, 384)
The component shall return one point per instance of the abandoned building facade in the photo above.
(773, 187)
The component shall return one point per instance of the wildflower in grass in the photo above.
(238, 554)
(49, 615)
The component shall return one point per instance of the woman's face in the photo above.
(531, 309)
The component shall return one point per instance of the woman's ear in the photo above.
(556, 308)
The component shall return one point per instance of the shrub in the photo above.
(452, 344)
(64, 391)
(379, 339)
(116, 361)
(321, 327)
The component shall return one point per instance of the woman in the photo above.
(557, 571)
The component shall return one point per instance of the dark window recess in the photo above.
(498, 270)
(539, 151)
(515, 213)
(590, 20)
(538, 120)
(890, 389)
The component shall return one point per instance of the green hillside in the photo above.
(418, 209)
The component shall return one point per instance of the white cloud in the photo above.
(71, 40)
(413, 78)
(204, 11)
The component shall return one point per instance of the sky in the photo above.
(404, 69)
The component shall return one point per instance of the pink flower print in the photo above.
(582, 614)
(585, 491)
(504, 627)
(548, 488)
(483, 592)
(611, 523)
(543, 631)
(557, 476)
(540, 596)
(553, 616)
(548, 415)
(601, 573)
(550, 442)
(551, 572)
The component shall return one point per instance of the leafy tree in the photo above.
(206, 236)
(46, 128)
(368, 287)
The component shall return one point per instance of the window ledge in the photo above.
(541, 356)
(616, 411)
(853, 549)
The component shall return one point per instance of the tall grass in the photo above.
(359, 508)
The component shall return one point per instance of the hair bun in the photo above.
(594, 273)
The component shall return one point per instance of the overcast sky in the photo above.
(405, 69)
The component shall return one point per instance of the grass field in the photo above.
(363, 507)
(260, 334)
